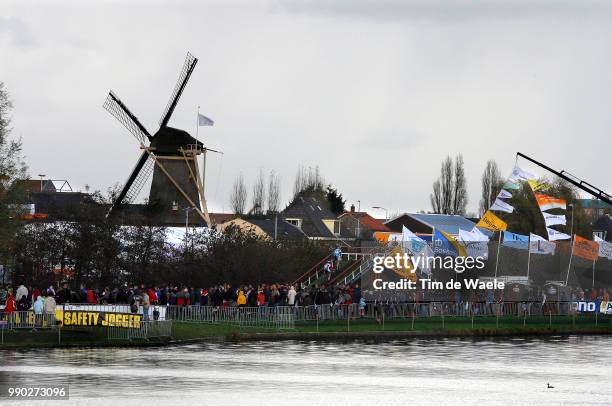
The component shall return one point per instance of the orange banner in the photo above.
(547, 202)
(586, 249)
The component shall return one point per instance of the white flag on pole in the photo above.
(475, 242)
(554, 219)
(418, 247)
(539, 245)
(554, 235)
(500, 205)
(504, 194)
(204, 121)
(605, 248)
(519, 174)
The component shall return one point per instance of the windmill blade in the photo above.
(116, 107)
(188, 66)
(139, 176)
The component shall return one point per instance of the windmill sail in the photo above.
(116, 107)
(188, 66)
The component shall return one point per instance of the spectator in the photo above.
(49, 306)
(21, 292)
(337, 257)
(3, 295)
(38, 311)
(291, 296)
(241, 301)
(145, 306)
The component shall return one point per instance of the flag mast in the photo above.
(570, 260)
(498, 247)
(528, 255)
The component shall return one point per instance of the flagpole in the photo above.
(498, 247)
(570, 261)
(433, 248)
(203, 175)
(595, 260)
(528, 256)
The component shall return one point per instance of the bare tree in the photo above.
(491, 185)
(273, 192)
(460, 197)
(238, 196)
(449, 190)
(436, 197)
(446, 185)
(308, 179)
(259, 193)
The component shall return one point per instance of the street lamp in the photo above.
(572, 223)
(382, 208)
(187, 210)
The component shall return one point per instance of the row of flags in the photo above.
(474, 243)
(534, 243)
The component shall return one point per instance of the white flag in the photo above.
(539, 245)
(605, 248)
(204, 121)
(418, 247)
(554, 235)
(519, 174)
(500, 205)
(554, 219)
(504, 194)
(475, 242)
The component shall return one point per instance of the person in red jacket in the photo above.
(10, 303)
(10, 307)
(152, 296)
(91, 298)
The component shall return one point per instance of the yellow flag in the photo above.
(492, 222)
(405, 270)
(537, 186)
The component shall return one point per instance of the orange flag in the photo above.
(585, 249)
(547, 202)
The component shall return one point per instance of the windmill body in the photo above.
(170, 156)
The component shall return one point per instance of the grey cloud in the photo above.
(446, 10)
(18, 32)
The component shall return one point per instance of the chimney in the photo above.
(352, 208)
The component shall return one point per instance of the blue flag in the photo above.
(446, 245)
(517, 241)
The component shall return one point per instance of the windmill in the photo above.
(170, 155)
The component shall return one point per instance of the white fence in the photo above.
(279, 318)
(146, 331)
(28, 320)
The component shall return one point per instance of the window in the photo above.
(295, 222)
(599, 234)
(333, 226)
(337, 227)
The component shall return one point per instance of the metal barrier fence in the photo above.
(284, 317)
(28, 320)
(146, 330)
(279, 318)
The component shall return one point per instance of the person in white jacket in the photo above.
(21, 292)
(291, 296)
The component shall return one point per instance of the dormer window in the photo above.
(295, 222)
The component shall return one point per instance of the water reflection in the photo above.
(502, 371)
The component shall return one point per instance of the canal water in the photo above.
(400, 372)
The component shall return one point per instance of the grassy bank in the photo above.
(184, 332)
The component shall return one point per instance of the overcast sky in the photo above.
(376, 93)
